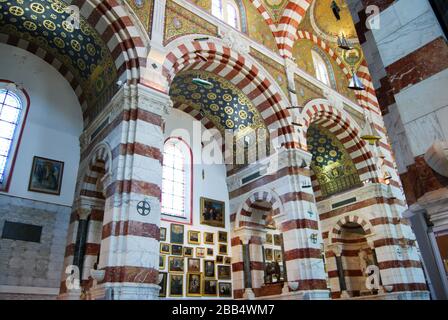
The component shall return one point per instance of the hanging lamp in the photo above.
(343, 43)
(369, 134)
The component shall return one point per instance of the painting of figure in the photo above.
(212, 212)
(46, 176)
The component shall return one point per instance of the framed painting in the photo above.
(176, 264)
(194, 265)
(46, 176)
(165, 248)
(210, 251)
(194, 284)
(177, 234)
(209, 268)
(162, 234)
(268, 254)
(194, 237)
(176, 285)
(225, 289)
(209, 238)
(210, 288)
(222, 236)
(219, 259)
(228, 260)
(224, 273)
(278, 255)
(163, 281)
(277, 240)
(268, 238)
(223, 249)
(188, 252)
(200, 252)
(177, 250)
(162, 262)
(212, 212)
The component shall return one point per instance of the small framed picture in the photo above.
(210, 251)
(194, 237)
(268, 238)
(278, 255)
(176, 264)
(224, 273)
(177, 250)
(222, 236)
(209, 268)
(188, 251)
(200, 252)
(46, 176)
(223, 249)
(212, 212)
(268, 254)
(177, 234)
(209, 238)
(165, 248)
(219, 259)
(162, 262)
(210, 288)
(228, 260)
(162, 284)
(277, 240)
(225, 289)
(194, 284)
(162, 234)
(194, 265)
(176, 285)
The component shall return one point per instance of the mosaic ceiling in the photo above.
(46, 24)
(223, 103)
(331, 163)
(326, 21)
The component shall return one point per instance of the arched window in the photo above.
(11, 120)
(176, 178)
(227, 10)
(320, 68)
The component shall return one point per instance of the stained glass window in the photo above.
(174, 178)
(10, 110)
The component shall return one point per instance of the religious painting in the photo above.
(177, 233)
(194, 237)
(162, 234)
(268, 238)
(210, 251)
(278, 255)
(176, 250)
(194, 282)
(225, 289)
(270, 222)
(210, 288)
(194, 265)
(219, 259)
(165, 248)
(277, 240)
(46, 176)
(268, 254)
(222, 236)
(212, 212)
(200, 252)
(176, 264)
(176, 285)
(224, 273)
(162, 262)
(188, 251)
(223, 249)
(209, 268)
(227, 260)
(209, 238)
(163, 276)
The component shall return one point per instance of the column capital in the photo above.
(154, 101)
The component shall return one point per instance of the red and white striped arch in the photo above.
(346, 130)
(241, 70)
(337, 229)
(262, 10)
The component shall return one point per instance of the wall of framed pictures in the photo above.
(273, 257)
(195, 253)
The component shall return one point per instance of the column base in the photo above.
(316, 295)
(70, 295)
(248, 294)
(126, 291)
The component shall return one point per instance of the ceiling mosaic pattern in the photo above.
(331, 163)
(47, 24)
(223, 103)
(326, 22)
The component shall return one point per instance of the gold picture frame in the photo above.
(210, 252)
(188, 252)
(177, 234)
(163, 248)
(163, 283)
(176, 264)
(222, 249)
(200, 252)
(224, 273)
(209, 269)
(162, 234)
(213, 212)
(210, 288)
(194, 237)
(194, 284)
(222, 236)
(209, 238)
(194, 265)
(176, 285)
(162, 262)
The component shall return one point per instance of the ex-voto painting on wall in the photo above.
(46, 176)
(212, 212)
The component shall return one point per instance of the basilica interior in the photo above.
(223, 149)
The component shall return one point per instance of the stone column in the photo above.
(130, 236)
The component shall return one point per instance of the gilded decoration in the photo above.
(275, 8)
(275, 69)
(323, 18)
(204, 4)
(331, 163)
(180, 21)
(144, 10)
(81, 50)
(223, 103)
(306, 91)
